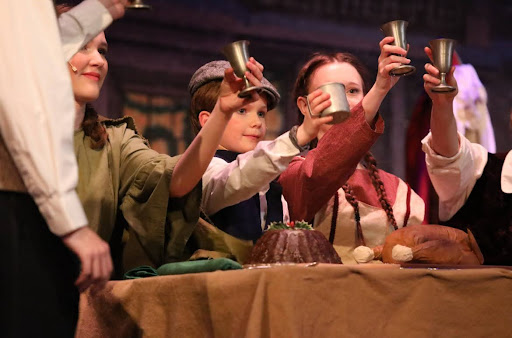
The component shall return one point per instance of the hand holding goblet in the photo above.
(237, 54)
(339, 108)
(396, 29)
(442, 54)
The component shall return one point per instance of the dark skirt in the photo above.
(38, 295)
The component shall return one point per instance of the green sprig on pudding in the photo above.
(299, 225)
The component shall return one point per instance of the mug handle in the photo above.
(309, 108)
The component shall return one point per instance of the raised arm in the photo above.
(445, 140)
(388, 59)
(199, 154)
(86, 20)
(454, 163)
(225, 184)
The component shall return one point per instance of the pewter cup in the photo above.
(237, 54)
(138, 4)
(339, 107)
(442, 53)
(397, 29)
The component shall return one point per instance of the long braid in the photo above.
(334, 218)
(379, 187)
(350, 197)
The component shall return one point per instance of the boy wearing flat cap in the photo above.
(240, 196)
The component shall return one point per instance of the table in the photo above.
(297, 301)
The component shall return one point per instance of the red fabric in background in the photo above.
(416, 168)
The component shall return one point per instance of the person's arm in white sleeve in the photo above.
(36, 124)
(454, 177)
(452, 165)
(38, 112)
(226, 184)
(38, 107)
(83, 22)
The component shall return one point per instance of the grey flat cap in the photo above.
(215, 71)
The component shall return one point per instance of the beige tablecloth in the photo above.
(297, 301)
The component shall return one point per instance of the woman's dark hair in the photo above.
(93, 128)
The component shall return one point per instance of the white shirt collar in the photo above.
(506, 174)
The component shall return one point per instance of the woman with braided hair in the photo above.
(337, 185)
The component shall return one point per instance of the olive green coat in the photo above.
(124, 188)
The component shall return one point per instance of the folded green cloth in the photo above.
(141, 272)
(204, 265)
(179, 268)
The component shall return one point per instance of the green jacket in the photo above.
(124, 188)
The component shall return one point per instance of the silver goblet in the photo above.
(397, 29)
(442, 53)
(237, 54)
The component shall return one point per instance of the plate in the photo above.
(273, 265)
(451, 267)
